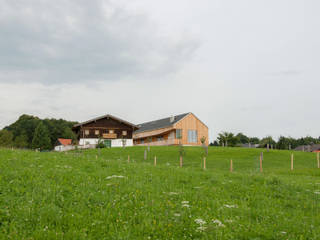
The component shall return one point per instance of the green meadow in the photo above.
(98, 194)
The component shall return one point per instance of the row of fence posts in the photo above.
(231, 162)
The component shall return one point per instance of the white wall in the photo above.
(88, 141)
(62, 148)
(114, 142)
(118, 143)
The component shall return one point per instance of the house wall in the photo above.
(191, 122)
(104, 125)
(114, 142)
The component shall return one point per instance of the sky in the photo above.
(248, 66)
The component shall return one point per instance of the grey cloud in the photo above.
(69, 40)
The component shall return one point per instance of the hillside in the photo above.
(20, 134)
(98, 194)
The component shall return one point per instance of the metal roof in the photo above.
(161, 123)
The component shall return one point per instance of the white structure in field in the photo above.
(63, 145)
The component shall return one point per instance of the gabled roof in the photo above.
(64, 141)
(105, 116)
(161, 123)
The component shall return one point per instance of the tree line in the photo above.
(35, 133)
(233, 140)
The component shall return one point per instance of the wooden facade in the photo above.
(186, 131)
(106, 127)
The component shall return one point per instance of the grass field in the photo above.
(99, 195)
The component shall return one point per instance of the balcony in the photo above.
(160, 143)
(109, 135)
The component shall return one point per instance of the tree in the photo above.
(21, 141)
(41, 138)
(6, 138)
(267, 140)
(242, 138)
(227, 139)
(24, 129)
(254, 140)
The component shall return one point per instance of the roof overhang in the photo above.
(105, 116)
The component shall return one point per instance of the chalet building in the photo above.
(185, 128)
(113, 131)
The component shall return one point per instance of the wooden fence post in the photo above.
(181, 161)
(128, 158)
(268, 146)
(145, 154)
(261, 170)
(291, 161)
(231, 166)
(204, 163)
(155, 160)
(318, 159)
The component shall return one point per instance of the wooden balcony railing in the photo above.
(160, 143)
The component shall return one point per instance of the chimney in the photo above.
(172, 119)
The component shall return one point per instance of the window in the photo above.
(86, 132)
(124, 133)
(96, 132)
(149, 139)
(178, 133)
(111, 131)
(192, 136)
(160, 138)
(142, 141)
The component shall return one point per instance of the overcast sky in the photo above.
(248, 66)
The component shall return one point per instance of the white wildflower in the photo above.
(317, 192)
(186, 205)
(185, 202)
(218, 222)
(201, 229)
(114, 176)
(230, 206)
(229, 220)
(177, 215)
(173, 193)
(200, 221)
(283, 232)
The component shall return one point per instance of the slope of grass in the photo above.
(99, 195)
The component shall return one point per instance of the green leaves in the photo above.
(41, 138)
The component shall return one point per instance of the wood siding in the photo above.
(104, 125)
(191, 122)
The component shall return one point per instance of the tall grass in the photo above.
(92, 195)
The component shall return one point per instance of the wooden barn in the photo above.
(113, 131)
(185, 128)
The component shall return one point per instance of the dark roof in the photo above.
(307, 148)
(105, 116)
(161, 123)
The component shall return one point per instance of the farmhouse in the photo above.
(185, 129)
(113, 131)
(63, 145)
(308, 148)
